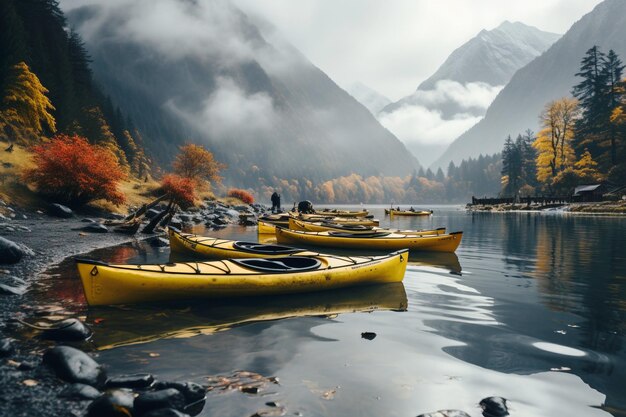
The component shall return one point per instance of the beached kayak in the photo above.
(210, 247)
(269, 226)
(373, 241)
(106, 284)
(341, 213)
(305, 226)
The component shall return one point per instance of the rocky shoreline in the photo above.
(603, 208)
(33, 241)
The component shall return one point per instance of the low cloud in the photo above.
(439, 116)
(176, 29)
(230, 112)
(422, 125)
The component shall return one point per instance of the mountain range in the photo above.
(548, 77)
(216, 79)
(457, 95)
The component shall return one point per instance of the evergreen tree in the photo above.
(440, 177)
(612, 71)
(429, 174)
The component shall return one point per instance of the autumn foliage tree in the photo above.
(71, 170)
(242, 195)
(196, 163)
(25, 108)
(554, 141)
(181, 190)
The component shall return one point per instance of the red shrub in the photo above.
(71, 170)
(182, 190)
(243, 195)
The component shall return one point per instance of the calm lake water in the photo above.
(532, 308)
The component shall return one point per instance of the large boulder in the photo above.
(59, 210)
(73, 365)
(10, 252)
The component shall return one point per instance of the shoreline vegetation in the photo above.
(601, 208)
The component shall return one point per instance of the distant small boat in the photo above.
(394, 212)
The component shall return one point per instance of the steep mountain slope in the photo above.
(548, 77)
(371, 99)
(457, 95)
(493, 56)
(201, 71)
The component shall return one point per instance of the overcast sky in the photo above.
(393, 45)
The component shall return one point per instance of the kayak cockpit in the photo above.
(288, 264)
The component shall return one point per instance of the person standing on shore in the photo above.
(275, 202)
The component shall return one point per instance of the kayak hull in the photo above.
(213, 248)
(304, 226)
(439, 243)
(106, 284)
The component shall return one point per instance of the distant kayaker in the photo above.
(275, 202)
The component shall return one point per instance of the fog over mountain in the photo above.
(373, 100)
(204, 72)
(457, 95)
(548, 77)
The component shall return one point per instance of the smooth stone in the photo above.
(494, 407)
(73, 365)
(130, 381)
(220, 221)
(115, 403)
(95, 228)
(69, 329)
(10, 252)
(368, 335)
(165, 398)
(210, 217)
(59, 210)
(86, 220)
(80, 392)
(446, 413)
(6, 346)
(165, 412)
(191, 391)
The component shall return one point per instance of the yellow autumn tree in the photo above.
(26, 107)
(554, 141)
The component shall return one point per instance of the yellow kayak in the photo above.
(393, 212)
(339, 220)
(341, 213)
(295, 224)
(265, 227)
(147, 323)
(373, 241)
(210, 247)
(106, 284)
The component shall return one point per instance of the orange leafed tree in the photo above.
(196, 163)
(243, 195)
(71, 170)
(181, 190)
